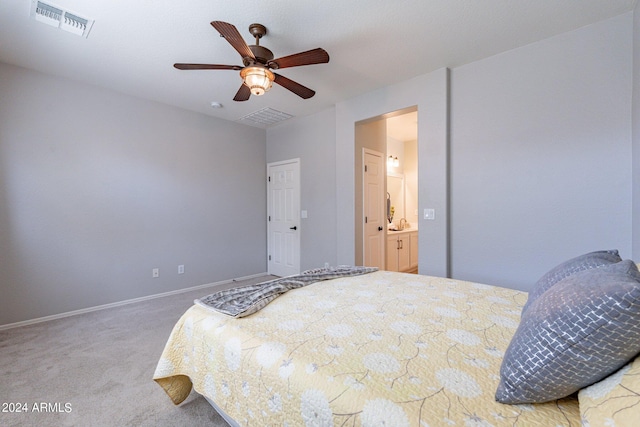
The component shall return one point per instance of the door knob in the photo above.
(379, 228)
(293, 228)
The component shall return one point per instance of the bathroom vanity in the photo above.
(402, 250)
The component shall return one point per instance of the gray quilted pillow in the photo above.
(570, 267)
(578, 332)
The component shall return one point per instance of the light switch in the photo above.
(429, 214)
(303, 214)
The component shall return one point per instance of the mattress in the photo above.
(384, 348)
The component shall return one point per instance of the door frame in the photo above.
(295, 161)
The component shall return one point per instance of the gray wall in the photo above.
(636, 132)
(428, 93)
(312, 140)
(540, 155)
(97, 189)
(539, 147)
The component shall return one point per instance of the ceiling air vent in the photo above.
(60, 18)
(265, 117)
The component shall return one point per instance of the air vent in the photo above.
(265, 117)
(58, 17)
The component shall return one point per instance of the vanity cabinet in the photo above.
(402, 251)
(413, 252)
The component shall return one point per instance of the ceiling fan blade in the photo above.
(180, 66)
(243, 93)
(313, 56)
(297, 88)
(231, 34)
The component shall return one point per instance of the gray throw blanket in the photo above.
(246, 300)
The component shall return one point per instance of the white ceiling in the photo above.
(403, 127)
(372, 43)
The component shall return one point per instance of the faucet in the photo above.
(403, 225)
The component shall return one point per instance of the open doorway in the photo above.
(402, 193)
(396, 136)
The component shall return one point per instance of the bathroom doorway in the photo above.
(402, 193)
(396, 135)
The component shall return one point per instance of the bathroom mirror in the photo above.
(395, 196)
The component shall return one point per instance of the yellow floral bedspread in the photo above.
(384, 348)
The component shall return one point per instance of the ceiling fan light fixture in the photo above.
(256, 75)
(258, 79)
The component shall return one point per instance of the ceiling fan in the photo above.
(258, 62)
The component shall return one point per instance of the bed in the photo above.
(382, 348)
(398, 349)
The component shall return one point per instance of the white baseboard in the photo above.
(125, 302)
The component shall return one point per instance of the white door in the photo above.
(374, 212)
(283, 209)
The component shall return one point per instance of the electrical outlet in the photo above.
(181, 269)
(155, 272)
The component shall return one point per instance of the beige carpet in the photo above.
(96, 369)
